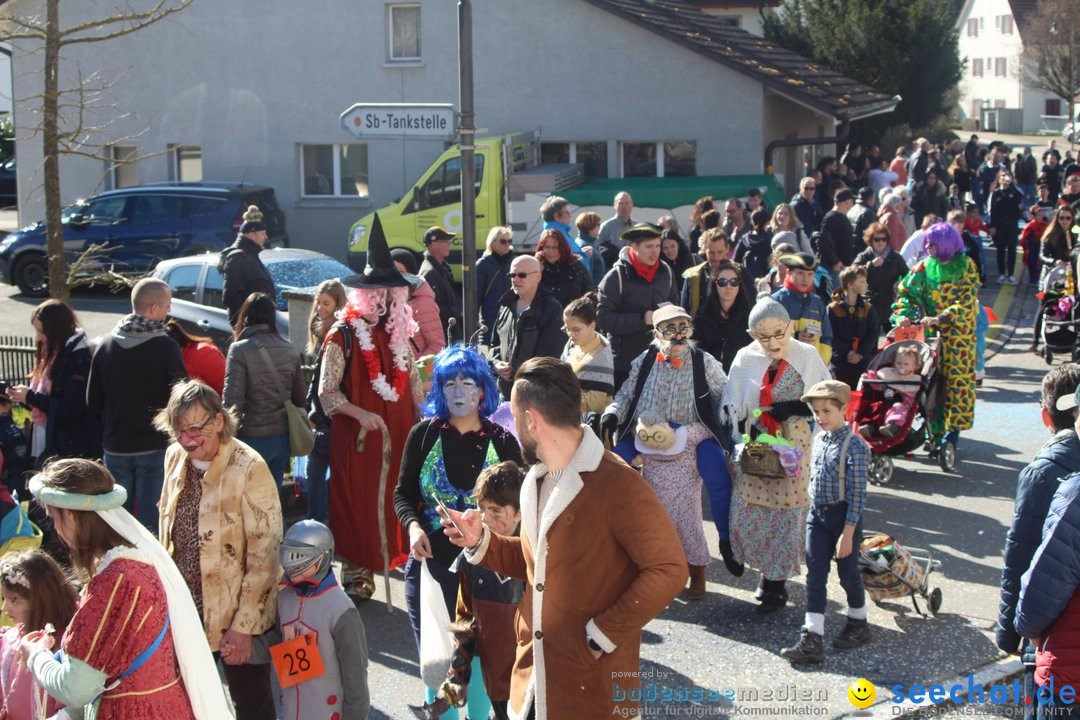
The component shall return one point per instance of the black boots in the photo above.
(773, 596)
(810, 648)
(733, 567)
(854, 634)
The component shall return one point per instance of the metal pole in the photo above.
(467, 131)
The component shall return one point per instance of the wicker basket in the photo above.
(761, 460)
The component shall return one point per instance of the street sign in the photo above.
(406, 120)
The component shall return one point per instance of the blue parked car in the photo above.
(140, 226)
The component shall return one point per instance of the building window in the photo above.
(973, 28)
(999, 67)
(976, 107)
(123, 171)
(638, 159)
(732, 20)
(659, 159)
(592, 155)
(1053, 107)
(680, 158)
(185, 163)
(1006, 25)
(404, 31)
(977, 67)
(334, 170)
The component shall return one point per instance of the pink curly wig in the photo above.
(399, 317)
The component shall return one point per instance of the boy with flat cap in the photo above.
(809, 316)
(839, 465)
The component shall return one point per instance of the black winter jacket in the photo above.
(835, 243)
(1035, 488)
(536, 332)
(131, 377)
(492, 282)
(753, 253)
(243, 273)
(566, 281)
(625, 297)
(882, 280)
(848, 325)
(71, 429)
(723, 337)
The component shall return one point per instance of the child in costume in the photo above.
(807, 310)
(486, 605)
(312, 602)
(839, 468)
(36, 594)
(854, 325)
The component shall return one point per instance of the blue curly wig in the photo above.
(465, 360)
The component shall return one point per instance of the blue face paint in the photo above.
(462, 395)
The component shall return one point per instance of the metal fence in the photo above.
(16, 358)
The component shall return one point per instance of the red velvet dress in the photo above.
(120, 615)
(354, 477)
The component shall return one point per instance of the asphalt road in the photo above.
(721, 644)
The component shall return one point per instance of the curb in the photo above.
(1012, 319)
(984, 677)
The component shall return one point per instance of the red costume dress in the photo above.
(121, 613)
(354, 484)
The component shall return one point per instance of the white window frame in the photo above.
(335, 179)
(123, 159)
(1003, 63)
(977, 67)
(973, 28)
(1007, 25)
(410, 59)
(176, 162)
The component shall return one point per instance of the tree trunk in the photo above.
(50, 135)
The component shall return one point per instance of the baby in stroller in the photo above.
(890, 414)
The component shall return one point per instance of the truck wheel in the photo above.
(31, 274)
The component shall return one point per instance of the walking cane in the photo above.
(384, 548)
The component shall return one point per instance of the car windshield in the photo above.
(302, 273)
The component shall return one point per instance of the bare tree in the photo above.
(64, 127)
(1052, 52)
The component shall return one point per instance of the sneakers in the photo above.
(1002, 280)
(867, 430)
(854, 634)
(810, 648)
(1012, 280)
(889, 430)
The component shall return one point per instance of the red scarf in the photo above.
(648, 273)
(765, 399)
(790, 285)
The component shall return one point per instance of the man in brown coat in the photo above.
(597, 550)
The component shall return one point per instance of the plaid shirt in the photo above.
(825, 472)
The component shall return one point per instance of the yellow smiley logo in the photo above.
(862, 693)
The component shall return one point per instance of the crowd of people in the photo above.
(722, 359)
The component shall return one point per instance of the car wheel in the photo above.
(32, 275)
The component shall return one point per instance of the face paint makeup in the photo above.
(462, 395)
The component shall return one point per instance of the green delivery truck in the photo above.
(512, 184)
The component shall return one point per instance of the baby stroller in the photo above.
(1059, 316)
(870, 390)
(890, 570)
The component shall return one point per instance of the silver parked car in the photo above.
(197, 287)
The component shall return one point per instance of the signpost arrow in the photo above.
(405, 120)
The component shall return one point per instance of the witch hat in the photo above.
(380, 271)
